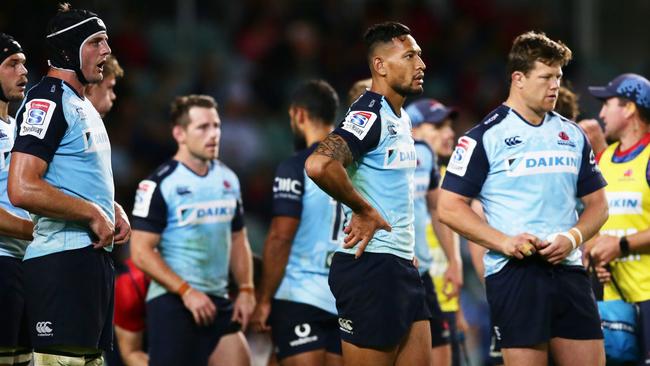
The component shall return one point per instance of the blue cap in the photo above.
(429, 111)
(629, 86)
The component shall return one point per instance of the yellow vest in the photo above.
(628, 195)
(439, 266)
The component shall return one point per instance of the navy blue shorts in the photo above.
(69, 298)
(175, 339)
(297, 328)
(532, 301)
(378, 297)
(439, 325)
(644, 334)
(13, 332)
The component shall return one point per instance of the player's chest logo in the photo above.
(542, 162)
(206, 212)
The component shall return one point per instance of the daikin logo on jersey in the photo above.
(400, 157)
(625, 203)
(206, 212)
(542, 162)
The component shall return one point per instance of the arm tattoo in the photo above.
(335, 147)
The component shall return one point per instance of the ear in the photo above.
(517, 78)
(378, 65)
(301, 115)
(629, 110)
(179, 134)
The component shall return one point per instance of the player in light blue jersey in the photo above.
(15, 225)
(188, 232)
(367, 163)
(529, 166)
(306, 229)
(61, 173)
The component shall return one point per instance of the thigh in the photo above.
(440, 334)
(415, 349)
(569, 352)
(69, 299)
(298, 328)
(364, 356)
(519, 296)
(536, 355)
(378, 297)
(232, 350)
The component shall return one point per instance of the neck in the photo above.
(197, 165)
(4, 111)
(395, 99)
(69, 77)
(317, 133)
(515, 102)
(635, 132)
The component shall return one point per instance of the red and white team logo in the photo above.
(37, 117)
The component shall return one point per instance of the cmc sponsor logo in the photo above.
(287, 185)
(206, 212)
(625, 203)
(543, 162)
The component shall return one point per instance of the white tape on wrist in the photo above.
(577, 231)
(571, 239)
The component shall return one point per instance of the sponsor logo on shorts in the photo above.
(497, 333)
(303, 331)
(44, 329)
(346, 325)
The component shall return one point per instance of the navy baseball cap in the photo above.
(633, 87)
(429, 111)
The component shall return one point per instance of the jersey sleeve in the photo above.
(289, 188)
(361, 128)
(468, 167)
(41, 127)
(150, 208)
(238, 220)
(589, 178)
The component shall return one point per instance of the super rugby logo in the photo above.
(206, 212)
(36, 118)
(461, 156)
(359, 123)
(143, 197)
(542, 162)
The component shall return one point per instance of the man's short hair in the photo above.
(358, 89)
(383, 33)
(318, 98)
(567, 103)
(536, 46)
(181, 106)
(112, 68)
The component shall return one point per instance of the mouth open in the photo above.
(100, 65)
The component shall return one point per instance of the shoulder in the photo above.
(423, 148)
(228, 174)
(365, 110)
(491, 120)
(163, 171)
(43, 100)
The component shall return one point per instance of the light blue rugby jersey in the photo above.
(195, 217)
(427, 177)
(318, 236)
(9, 247)
(528, 178)
(64, 129)
(382, 171)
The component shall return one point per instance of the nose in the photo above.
(106, 50)
(112, 95)
(22, 70)
(601, 115)
(422, 65)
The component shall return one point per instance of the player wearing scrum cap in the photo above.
(15, 224)
(528, 166)
(61, 173)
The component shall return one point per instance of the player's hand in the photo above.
(261, 316)
(594, 134)
(244, 306)
(362, 228)
(452, 280)
(520, 246)
(122, 225)
(200, 305)
(603, 273)
(554, 252)
(102, 227)
(605, 249)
